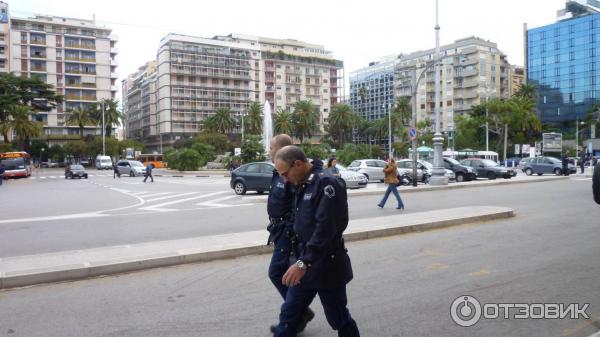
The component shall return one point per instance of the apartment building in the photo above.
(472, 70)
(195, 76)
(517, 78)
(139, 99)
(76, 56)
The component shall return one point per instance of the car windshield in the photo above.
(76, 167)
(489, 163)
(453, 161)
(136, 163)
(104, 161)
(355, 163)
(341, 168)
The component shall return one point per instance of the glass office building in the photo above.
(563, 61)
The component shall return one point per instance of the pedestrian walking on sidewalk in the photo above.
(116, 172)
(322, 266)
(281, 229)
(149, 168)
(332, 167)
(582, 156)
(392, 180)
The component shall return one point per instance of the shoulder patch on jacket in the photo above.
(329, 191)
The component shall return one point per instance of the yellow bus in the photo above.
(155, 159)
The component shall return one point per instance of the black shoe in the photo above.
(306, 317)
(273, 328)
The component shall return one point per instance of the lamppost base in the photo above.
(438, 180)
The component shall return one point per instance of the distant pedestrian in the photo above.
(582, 156)
(596, 183)
(149, 168)
(391, 178)
(2, 169)
(116, 172)
(332, 167)
(565, 165)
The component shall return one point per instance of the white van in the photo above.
(103, 162)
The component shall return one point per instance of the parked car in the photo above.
(252, 177)
(488, 168)
(371, 168)
(352, 179)
(103, 162)
(524, 162)
(512, 162)
(461, 172)
(75, 171)
(133, 168)
(543, 164)
(405, 166)
(428, 171)
(48, 164)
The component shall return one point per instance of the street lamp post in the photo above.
(41, 151)
(438, 175)
(103, 129)
(389, 131)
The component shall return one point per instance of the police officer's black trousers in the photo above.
(334, 303)
(279, 265)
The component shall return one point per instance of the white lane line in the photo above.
(215, 202)
(156, 194)
(56, 217)
(597, 334)
(158, 208)
(171, 196)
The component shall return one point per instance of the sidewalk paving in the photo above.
(27, 270)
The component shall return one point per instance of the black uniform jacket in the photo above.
(321, 216)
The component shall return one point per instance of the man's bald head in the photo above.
(279, 142)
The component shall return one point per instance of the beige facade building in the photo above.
(472, 71)
(517, 78)
(76, 56)
(195, 76)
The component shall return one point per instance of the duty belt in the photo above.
(275, 228)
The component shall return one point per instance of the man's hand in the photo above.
(293, 276)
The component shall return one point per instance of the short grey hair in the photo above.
(281, 140)
(289, 154)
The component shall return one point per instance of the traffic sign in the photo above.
(412, 133)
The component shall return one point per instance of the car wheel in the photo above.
(460, 178)
(85, 176)
(528, 171)
(539, 174)
(131, 174)
(239, 188)
(260, 192)
(366, 175)
(558, 171)
(66, 176)
(491, 175)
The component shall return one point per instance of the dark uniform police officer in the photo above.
(323, 265)
(281, 221)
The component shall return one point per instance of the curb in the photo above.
(236, 245)
(421, 188)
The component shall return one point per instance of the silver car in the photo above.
(428, 168)
(353, 179)
(371, 168)
(131, 167)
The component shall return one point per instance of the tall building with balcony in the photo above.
(563, 61)
(139, 100)
(195, 76)
(76, 56)
(472, 70)
(517, 79)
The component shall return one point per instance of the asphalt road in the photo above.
(403, 286)
(49, 214)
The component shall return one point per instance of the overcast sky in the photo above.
(357, 32)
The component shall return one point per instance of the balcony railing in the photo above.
(39, 42)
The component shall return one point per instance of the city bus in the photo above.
(16, 164)
(155, 159)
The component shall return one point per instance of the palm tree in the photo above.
(254, 120)
(305, 119)
(24, 127)
(79, 117)
(223, 120)
(402, 113)
(528, 91)
(282, 122)
(341, 121)
(379, 128)
(112, 114)
(209, 124)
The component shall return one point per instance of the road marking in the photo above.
(158, 208)
(214, 203)
(56, 217)
(156, 194)
(171, 196)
